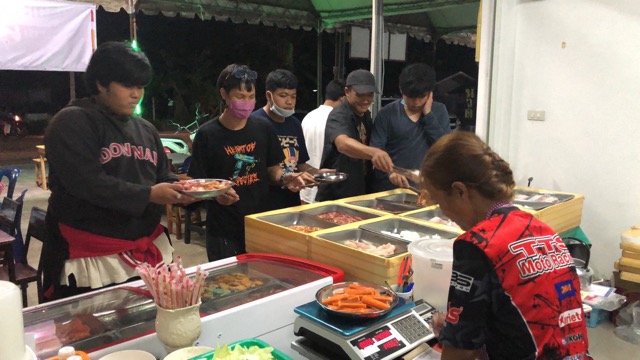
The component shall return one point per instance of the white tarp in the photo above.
(46, 35)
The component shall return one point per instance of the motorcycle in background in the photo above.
(12, 125)
(175, 144)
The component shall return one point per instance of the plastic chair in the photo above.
(12, 175)
(10, 217)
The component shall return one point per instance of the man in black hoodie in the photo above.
(109, 180)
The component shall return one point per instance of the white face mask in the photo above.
(280, 111)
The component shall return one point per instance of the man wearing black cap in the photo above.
(347, 138)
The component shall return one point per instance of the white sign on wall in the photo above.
(394, 46)
(46, 35)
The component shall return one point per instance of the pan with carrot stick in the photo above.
(356, 300)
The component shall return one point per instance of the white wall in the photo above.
(590, 91)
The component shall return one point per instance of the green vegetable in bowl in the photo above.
(240, 352)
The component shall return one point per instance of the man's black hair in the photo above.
(417, 80)
(234, 75)
(280, 79)
(117, 62)
(334, 90)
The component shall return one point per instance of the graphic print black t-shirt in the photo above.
(241, 156)
(294, 150)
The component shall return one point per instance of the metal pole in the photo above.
(319, 66)
(338, 69)
(133, 33)
(72, 85)
(377, 36)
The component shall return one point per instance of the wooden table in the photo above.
(41, 168)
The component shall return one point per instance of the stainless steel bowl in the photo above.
(328, 290)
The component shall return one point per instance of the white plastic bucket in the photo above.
(432, 262)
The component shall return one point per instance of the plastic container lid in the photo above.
(75, 357)
(66, 352)
(440, 250)
(632, 235)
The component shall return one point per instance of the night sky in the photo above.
(188, 54)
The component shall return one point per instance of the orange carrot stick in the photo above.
(375, 303)
(351, 310)
(360, 291)
(383, 298)
(343, 304)
(334, 299)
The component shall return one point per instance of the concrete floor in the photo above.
(604, 344)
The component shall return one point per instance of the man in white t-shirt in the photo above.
(313, 126)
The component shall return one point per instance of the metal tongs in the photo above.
(411, 174)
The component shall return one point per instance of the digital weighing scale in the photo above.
(327, 337)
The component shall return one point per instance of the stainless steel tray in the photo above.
(533, 205)
(297, 218)
(339, 209)
(394, 227)
(363, 235)
(403, 198)
(212, 302)
(106, 318)
(384, 205)
(429, 214)
(539, 205)
(237, 299)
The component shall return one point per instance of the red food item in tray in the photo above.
(339, 218)
(304, 228)
(381, 250)
(191, 185)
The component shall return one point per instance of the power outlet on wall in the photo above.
(535, 115)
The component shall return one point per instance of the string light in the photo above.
(138, 110)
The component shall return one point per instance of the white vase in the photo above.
(178, 328)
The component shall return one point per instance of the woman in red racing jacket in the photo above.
(514, 291)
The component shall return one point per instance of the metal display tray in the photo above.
(429, 214)
(297, 218)
(339, 209)
(385, 205)
(363, 235)
(103, 319)
(395, 226)
(269, 285)
(539, 205)
(403, 198)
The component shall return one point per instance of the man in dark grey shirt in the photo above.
(406, 128)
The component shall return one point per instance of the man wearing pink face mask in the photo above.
(237, 147)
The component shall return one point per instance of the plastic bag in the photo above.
(603, 297)
(630, 316)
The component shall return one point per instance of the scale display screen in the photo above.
(386, 339)
(378, 344)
